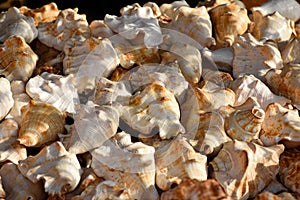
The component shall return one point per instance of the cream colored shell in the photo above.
(6, 98)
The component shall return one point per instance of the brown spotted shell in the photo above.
(40, 123)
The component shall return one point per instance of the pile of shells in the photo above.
(162, 102)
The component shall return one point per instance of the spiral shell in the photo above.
(6, 99)
(41, 123)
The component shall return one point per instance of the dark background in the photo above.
(94, 9)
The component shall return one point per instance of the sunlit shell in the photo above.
(41, 123)
(194, 189)
(17, 24)
(210, 135)
(176, 161)
(254, 57)
(10, 149)
(100, 29)
(281, 124)
(6, 98)
(68, 24)
(229, 20)
(286, 82)
(136, 21)
(59, 169)
(244, 169)
(169, 9)
(272, 27)
(18, 186)
(250, 86)
(271, 196)
(289, 170)
(46, 13)
(129, 165)
(154, 7)
(92, 127)
(287, 8)
(195, 23)
(17, 59)
(53, 89)
(154, 107)
(291, 52)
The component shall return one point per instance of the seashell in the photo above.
(192, 188)
(288, 172)
(257, 167)
(153, 107)
(169, 9)
(287, 8)
(271, 196)
(129, 165)
(100, 29)
(10, 150)
(250, 86)
(46, 13)
(2, 192)
(199, 25)
(177, 161)
(41, 123)
(6, 99)
(290, 53)
(136, 21)
(18, 186)
(16, 24)
(210, 135)
(56, 90)
(286, 82)
(154, 7)
(92, 127)
(211, 96)
(281, 125)
(230, 20)
(59, 169)
(17, 59)
(272, 27)
(81, 57)
(68, 24)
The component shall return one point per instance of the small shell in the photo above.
(176, 161)
(46, 13)
(291, 52)
(10, 149)
(249, 86)
(129, 165)
(254, 57)
(56, 90)
(17, 59)
(272, 27)
(286, 82)
(6, 98)
(17, 24)
(257, 166)
(41, 123)
(18, 186)
(194, 189)
(230, 20)
(281, 124)
(288, 172)
(59, 169)
(68, 24)
(154, 107)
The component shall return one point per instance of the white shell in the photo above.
(58, 168)
(100, 29)
(6, 98)
(10, 149)
(53, 89)
(176, 161)
(15, 23)
(127, 164)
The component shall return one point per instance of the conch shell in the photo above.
(176, 161)
(18, 186)
(59, 169)
(128, 164)
(17, 24)
(6, 98)
(257, 166)
(281, 124)
(230, 20)
(41, 123)
(17, 59)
